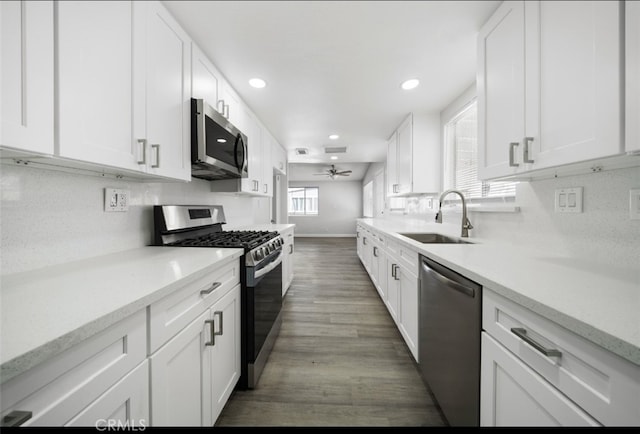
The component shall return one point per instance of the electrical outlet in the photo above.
(116, 200)
(568, 200)
(634, 204)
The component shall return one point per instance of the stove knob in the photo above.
(256, 256)
(267, 249)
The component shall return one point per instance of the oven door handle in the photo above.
(269, 267)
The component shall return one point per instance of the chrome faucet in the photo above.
(466, 224)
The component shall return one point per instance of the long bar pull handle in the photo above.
(212, 328)
(512, 156)
(526, 150)
(213, 287)
(522, 334)
(16, 418)
(220, 315)
(143, 142)
(157, 147)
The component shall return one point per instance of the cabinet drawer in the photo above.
(410, 260)
(171, 314)
(603, 384)
(59, 389)
(393, 248)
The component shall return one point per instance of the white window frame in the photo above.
(305, 213)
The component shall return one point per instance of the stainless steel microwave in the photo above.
(218, 149)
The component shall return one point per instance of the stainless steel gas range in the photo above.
(260, 274)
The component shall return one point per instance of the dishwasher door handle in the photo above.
(449, 283)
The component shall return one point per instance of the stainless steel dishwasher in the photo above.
(449, 341)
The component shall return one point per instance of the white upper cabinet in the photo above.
(267, 164)
(549, 86)
(95, 73)
(168, 93)
(414, 156)
(278, 157)
(632, 57)
(26, 93)
(205, 78)
(500, 89)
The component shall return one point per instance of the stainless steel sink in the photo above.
(434, 238)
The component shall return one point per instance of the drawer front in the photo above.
(393, 248)
(603, 384)
(410, 260)
(58, 389)
(174, 312)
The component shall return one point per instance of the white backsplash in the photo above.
(602, 234)
(51, 217)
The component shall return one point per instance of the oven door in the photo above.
(264, 302)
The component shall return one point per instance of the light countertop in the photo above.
(599, 303)
(46, 311)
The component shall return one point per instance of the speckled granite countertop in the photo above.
(599, 303)
(46, 311)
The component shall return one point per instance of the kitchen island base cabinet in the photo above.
(194, 373)
(512, 394)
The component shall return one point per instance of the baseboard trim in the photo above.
(299, 235)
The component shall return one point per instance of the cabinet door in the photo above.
(392, 162)
(181, 378)
(168, 92)
(374, 271)
(253, 131)
(366, 250)
(511, 394)
(125, 404)
(408, 309)
(95, 74)
(26, 35)
(632, 76)
(279, 156)
(266, 162)
(393, 288)
(290, 251)
(225, 353)
(204, 78)
(573, 74)
(501, 91)
(232, 104)
(405, 156)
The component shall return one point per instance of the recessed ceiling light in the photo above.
(334, 137)
(258, 83)
(221, 140)
(410, 84)
(333, 157)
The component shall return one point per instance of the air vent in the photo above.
(302, 151)
(335, 150)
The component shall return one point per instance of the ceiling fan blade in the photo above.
(343, 172)
(321, 174)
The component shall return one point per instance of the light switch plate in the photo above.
(116, 200)
(634, 204)
(568, 200)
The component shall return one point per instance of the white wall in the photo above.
(50, 217)
(339, 205)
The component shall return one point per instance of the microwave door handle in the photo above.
(241, 164)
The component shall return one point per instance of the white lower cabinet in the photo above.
(78, 384)
(193, 374)
(287, 260)
(408, 308)
(126, 404)
(512, 394)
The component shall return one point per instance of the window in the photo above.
(461, 163)
(303, 200)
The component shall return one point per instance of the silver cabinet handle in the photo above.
(213, 287)
(393, 270)
(143, 142)
(522, 334)
(291, 249)
(157, 147)
(357, 234)
(218, 104)
(266, 188)
(395, 275)
(16, 418)
(219, 313)
(364, 241)
(212, 328)
(375, 251)
(226, 110)
(281, 165)
(512, 156)
(526, 150)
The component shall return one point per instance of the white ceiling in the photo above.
(306, 172)
(336, 66)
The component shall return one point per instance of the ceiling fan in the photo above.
(333, 172)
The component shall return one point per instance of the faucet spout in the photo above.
(466, 224)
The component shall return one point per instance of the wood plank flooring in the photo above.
(339, 359)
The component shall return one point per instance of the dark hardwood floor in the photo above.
(339, 359)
